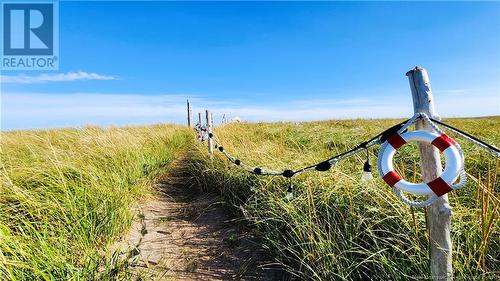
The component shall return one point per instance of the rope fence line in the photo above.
(327, 164)
(380, 139)
(490, 148)
(321, 166)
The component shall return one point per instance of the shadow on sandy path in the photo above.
(185, 234)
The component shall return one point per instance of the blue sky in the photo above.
(137, 62)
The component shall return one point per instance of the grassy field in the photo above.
(335, 227)
(66, 194)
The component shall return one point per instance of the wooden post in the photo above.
(190, 115)
(199, 118)
(439, 213)
(209, 129)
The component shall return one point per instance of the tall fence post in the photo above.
(199, 118)
(209, 130)
(190, 115)
(439, 213)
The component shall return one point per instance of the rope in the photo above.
(321, 166)
(490, 148)
(381, 138)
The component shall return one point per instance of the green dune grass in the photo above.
(335, 227)
(66, 194)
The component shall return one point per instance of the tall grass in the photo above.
(336, 228)
(66, 194)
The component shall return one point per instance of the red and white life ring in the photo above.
(438, 186)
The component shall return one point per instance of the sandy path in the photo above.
(184, 234)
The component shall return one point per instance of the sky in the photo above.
(128, 63)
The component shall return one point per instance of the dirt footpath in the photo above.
(184, 234)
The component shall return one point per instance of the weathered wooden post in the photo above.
(439, 213)
(209, 131)
(199, 118)
(190, 115)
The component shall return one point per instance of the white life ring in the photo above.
(438, 186)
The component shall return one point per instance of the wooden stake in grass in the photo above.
(209, 131)
(190, 115)
(439, 213)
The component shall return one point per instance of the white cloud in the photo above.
(42, 110)
(56, 77)
(475, 103)
(24, 110)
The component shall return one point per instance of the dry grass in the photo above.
(335, 228)
(66, 194)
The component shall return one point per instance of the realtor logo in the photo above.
(30, 35)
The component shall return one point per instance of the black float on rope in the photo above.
(323, 166)
(288, 173)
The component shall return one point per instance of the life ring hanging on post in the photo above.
(443, 184)
(440, 185)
